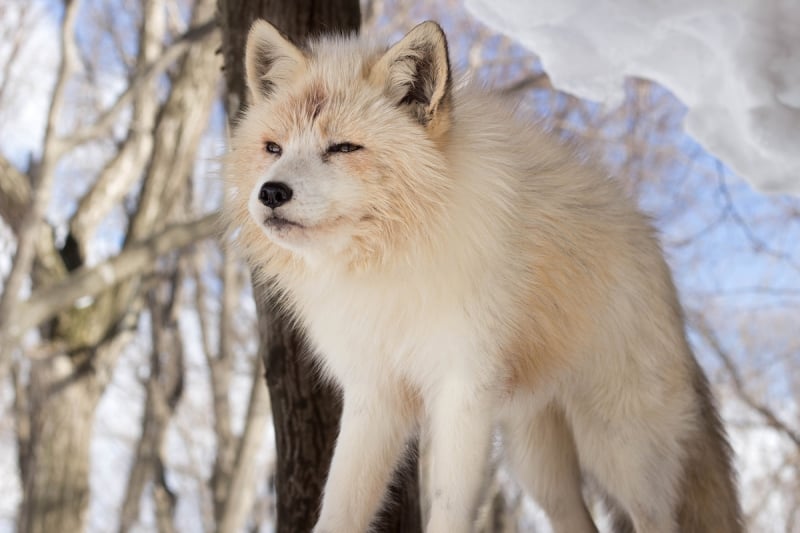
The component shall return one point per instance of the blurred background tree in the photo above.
(131, 383)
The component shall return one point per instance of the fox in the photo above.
(461, 271)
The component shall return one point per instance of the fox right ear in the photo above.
(270, 60)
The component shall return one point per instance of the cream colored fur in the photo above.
(465, 271)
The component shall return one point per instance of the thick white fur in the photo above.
(466, 274)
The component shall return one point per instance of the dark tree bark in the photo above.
(305, 410)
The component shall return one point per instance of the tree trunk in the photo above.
(57, 497)
(305, 410)
(64, 395)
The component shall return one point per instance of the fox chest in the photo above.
(369, 334)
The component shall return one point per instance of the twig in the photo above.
(738, 382)
(759, 245)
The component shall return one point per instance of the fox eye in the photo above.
(343, 148)
(273, 148)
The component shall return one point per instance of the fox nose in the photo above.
(274, 194)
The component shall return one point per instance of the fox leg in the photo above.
(541, 453)
(461, 430)
(374, 428)
(644, 480)
(638, 464)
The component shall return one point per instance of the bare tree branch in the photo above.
(127, 165)
(168, 57)
(69, 384)
(15, 194)
(181, 123)
(136, 260)
(22, 418)
(759, 245)
(44, 174)
(219, 366)
(242, 486)
(774, 421)
(164, 391)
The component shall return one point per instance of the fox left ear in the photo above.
(415, 73)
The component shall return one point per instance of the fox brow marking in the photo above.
(311, 103)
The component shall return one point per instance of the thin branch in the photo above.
(242, 486)
(702, 326)
(691, 239)
(170, 54)
(164, 390)
(84, 283)
(22, 418)
(759, 245)
(118, 39)
(219, 367)
(69, 59)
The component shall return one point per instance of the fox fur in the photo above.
(458, 269)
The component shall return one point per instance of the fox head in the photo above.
(339, 154)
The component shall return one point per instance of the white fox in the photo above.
(456, 268)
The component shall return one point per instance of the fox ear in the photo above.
(415, 72)
(270, 60)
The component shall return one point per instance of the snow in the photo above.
(734, 64)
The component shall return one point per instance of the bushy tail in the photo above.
(709, 499)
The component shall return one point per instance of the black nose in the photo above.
(274, 194)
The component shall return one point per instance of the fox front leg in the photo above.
(376, 422)
(461, 430)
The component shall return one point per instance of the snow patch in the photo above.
(736, 66)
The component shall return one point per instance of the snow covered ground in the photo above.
(735, 64)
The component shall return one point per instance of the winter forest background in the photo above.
(131, 393)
